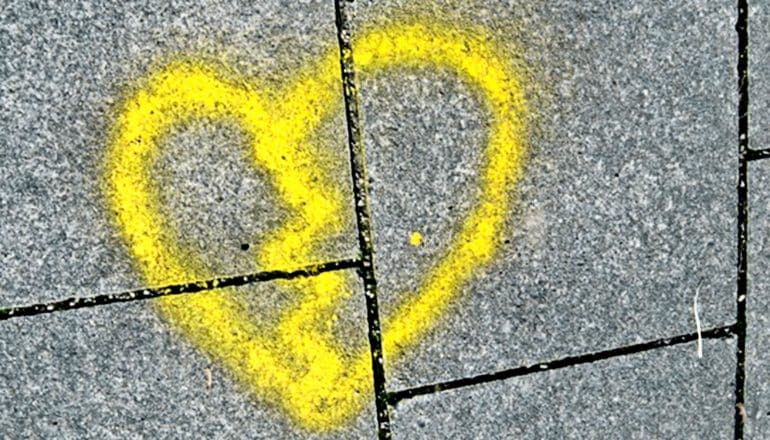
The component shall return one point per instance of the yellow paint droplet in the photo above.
(415, 239)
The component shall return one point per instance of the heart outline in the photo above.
(296, 368)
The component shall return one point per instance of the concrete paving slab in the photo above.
(758, 303)
(119, 372)
(759, 72)
(67, 69)
(624, 205)
(662, 394)
(626, 202)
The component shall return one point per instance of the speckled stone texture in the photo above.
(627, 203)
(66, 68)
(662, 394)
(120, 371)
(116, 372)
(758, 304)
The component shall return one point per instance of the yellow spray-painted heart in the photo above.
(295, 365)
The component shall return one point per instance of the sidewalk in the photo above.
(539, 231)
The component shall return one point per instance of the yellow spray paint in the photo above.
(298, 365)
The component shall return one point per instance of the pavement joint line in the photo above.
(742, 28)
(363, 212)
(752, 155)
(176, 289)
(569, 361)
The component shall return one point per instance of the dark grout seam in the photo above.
(363, 212)
(742, 28)
(570, 361)
(757, 154)
(176, 289)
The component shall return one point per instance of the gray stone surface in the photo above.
(65, 66)
(758, 304)
(117, 372)
(663, 394)
(759, 73)
(627, 202)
